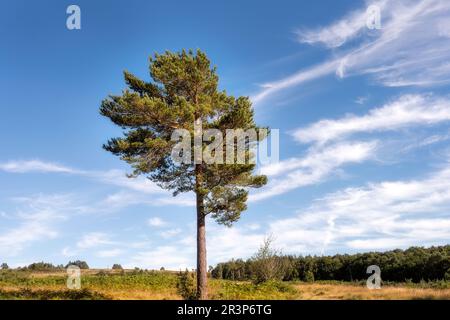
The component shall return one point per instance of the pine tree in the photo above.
(184, 90)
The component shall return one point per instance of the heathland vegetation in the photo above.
(158, 285)
(415, 273)
(415, 264)
(184, 96)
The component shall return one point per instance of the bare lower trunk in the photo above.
(202, 290)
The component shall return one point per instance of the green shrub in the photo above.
(79, 263)
(267, 264)
(42, 266)
(186, 285)
(272, 289)
(309, 276)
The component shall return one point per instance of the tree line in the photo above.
(414, 264)
(47, 266)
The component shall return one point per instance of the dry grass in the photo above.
(162, 285)
(141, 295)
(316, 291)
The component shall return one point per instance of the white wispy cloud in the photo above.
(68, 252)
(406, 111)
(223, 244)
(38, 215)
(119, 178)
(93, 240)
(299, 77)
(170, 233)
(337, 154)
(109, 253)
(377, 216)
(36, 220)
(168, 256)
(27, 166)
(341, 31)
(227, 243)
(331, 148)
(156, 222)
(121, 199)
(315, 167)
(16, 239)
(411, 49)
(427, 141)
(113, 177)
(361, 100)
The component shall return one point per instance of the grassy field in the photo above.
(107, 284)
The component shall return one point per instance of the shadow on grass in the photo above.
(28, 294)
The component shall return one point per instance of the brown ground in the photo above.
(346, 292)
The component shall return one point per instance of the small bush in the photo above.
(41, 266)
(309, 276)
(79, 263)
(267, 264)
(272, 290)
(186, 285)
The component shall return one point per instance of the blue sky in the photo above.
(363, 115)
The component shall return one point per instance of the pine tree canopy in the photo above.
(184, 89)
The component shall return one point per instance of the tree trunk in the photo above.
(202, 290)
(202, 272)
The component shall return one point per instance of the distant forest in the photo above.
(414, 264)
